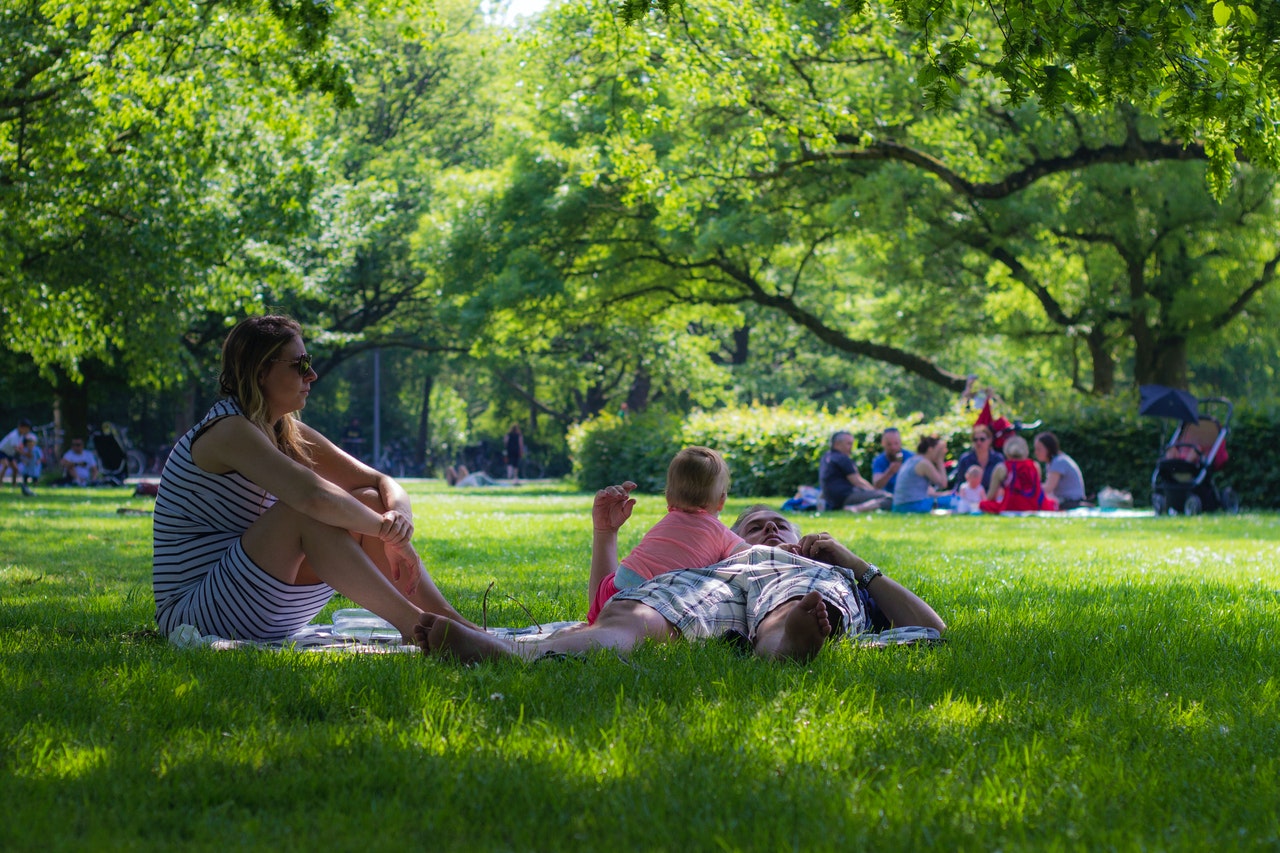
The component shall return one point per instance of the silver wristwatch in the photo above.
(869, 575)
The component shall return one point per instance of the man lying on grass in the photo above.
(786, 595)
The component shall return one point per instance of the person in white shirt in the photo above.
(79, 467)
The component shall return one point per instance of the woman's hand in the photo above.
(396, 528)
(406, 567)
(612, 507)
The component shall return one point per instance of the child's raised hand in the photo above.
(612, 507)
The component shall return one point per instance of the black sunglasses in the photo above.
(302, 363)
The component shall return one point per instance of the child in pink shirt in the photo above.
(690, 536)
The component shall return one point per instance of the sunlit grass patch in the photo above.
(1101, 678)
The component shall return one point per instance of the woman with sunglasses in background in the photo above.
(260, 519)
(982, 453)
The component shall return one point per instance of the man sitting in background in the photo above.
(79, 467)
(884, 468)
(842, 486)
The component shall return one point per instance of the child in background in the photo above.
(689, 536)
(30, 462)
(971, 493)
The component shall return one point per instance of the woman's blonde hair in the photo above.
(246, 357)
(697, 476)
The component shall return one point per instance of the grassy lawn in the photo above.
(1106, 684)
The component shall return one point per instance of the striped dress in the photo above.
(201, 574)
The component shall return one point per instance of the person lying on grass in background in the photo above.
(786, 596)
(260, 519)
(689, 536)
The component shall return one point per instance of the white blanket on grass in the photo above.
(358, 630)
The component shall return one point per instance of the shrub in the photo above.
(773, 450)
(770, 450)
(610, 449)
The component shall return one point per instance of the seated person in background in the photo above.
(1015, 484)
(885, 467)
(842, 486)
(921, 477)
(79, 468)
(690, 536)
(971, 494)
(1062, 478)
(983, 453)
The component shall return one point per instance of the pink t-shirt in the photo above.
(683, 539)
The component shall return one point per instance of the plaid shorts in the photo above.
(736, 594)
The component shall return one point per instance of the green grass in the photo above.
(1106, 684)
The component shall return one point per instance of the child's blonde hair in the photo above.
(973, 469)
(697, 477)
(1015, 447)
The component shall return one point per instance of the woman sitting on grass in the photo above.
(922, 478)
(786, 596)
(259, 518)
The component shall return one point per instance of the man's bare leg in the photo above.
(794, 630)
(622, 625)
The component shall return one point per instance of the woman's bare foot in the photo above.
(804, 627)
(441, 635)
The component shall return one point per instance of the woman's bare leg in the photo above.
(403, 566)
(297, 549)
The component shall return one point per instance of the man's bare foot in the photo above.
(804, 629)
(437, 635)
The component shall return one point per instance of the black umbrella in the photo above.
(1161, 402)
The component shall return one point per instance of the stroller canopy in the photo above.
(1161, 402)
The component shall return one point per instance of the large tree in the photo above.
(151, 157)
(771, 154)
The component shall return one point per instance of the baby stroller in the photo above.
(110, 456)
(1183, 480)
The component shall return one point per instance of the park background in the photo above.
(754, 221)
(484, 218)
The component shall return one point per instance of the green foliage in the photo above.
(769, 450)
(613, 449)
(1205, 63)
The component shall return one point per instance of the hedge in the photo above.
(773, 450)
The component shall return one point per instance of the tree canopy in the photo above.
(1210, 66)
(778, 200)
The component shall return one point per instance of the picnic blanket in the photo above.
(1078, 512)
(352, 630)
(356, 630)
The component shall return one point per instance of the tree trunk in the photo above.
(1162, 362)
(1104, 366)
(71, 400)
(638, 395)
(424, 425)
